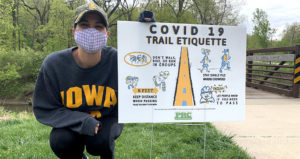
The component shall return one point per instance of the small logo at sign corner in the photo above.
(137, 59)
(183, 116)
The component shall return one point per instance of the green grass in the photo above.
(24, 138)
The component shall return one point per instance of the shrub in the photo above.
(8, 80)
(19, 69)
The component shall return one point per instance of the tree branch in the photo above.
(115, 8)
(224, 11)
(173, 8)
(200, 12)
(147, 5)
(27, 5)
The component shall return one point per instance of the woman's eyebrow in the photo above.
(99, 22)
(83, 20)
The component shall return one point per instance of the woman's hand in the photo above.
(96, 129)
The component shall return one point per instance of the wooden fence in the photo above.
(273, 70)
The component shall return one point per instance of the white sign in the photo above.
(180, 72)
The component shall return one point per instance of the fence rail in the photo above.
(273, 70)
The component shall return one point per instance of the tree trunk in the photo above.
(19, 34)
(33, 38)
(14, 18)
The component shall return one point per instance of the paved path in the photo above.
(271, 129)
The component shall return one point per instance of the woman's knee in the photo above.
(101, 146)
(104, 142)
(66, 143)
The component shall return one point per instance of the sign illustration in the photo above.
(160, 80)
(206, 95)
(205, 60)
(184, 94)
(225, 60)
(180, 72)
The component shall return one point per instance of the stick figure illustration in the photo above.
(132, 81)
(160, 80)
(225, 60)
(206, 95)
(205, 60)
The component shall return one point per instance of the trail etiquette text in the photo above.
(192, 38)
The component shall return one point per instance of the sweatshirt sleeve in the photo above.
(49, 110)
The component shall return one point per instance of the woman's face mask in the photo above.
(90, 40)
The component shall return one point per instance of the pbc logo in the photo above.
(137, 59)
(183, 116)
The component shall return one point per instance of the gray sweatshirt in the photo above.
(67, 95)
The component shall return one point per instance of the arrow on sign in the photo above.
(144, 90)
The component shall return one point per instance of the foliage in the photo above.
(17, 69)
(45, 25)
(262, 29)
(5, 23)
(8, 79)
(59, 27)
(216, 12)
(291, 35)
(26, 138)
(263, 33)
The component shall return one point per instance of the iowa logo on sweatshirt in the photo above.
(94, 95)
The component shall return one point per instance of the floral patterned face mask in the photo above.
(90, 40)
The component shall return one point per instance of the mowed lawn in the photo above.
(22, 137)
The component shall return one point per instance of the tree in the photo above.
(170, 11)
(41, 7)
(73, 4)
(15, 16)
(6, 24)
(262, 30)
(40, 10)
(59, 27)
(127, 9)
(110, 7)
(291, 35)
(178, 8)
(215, 12)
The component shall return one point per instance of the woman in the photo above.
(76, 90)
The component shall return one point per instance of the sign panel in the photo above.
(180, 72)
